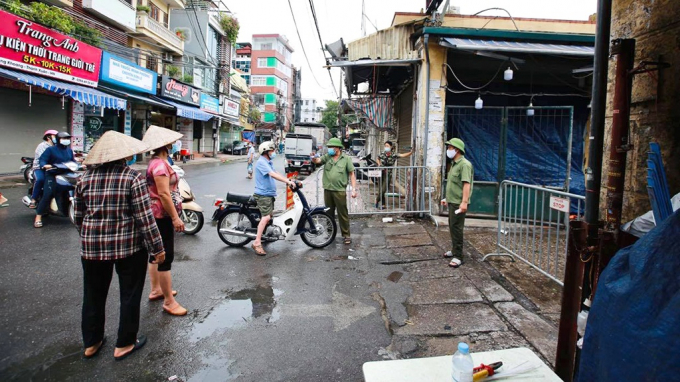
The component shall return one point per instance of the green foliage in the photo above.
(188, 78)
(329, 116)
(255, 115)
(230, 26)
(143, 8)
(55, 18)
(173, 71)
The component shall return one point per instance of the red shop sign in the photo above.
(31, 47)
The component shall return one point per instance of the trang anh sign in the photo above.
(31, 47)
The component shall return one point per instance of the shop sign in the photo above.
(231, 108)
(31, 47)
(175, 90)
(125, 74)
(210, 104)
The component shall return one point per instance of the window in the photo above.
(262, 62)
(270, 99)
(212, 43)
(306, 102)
(269, 117)
(267, 46)
(258, 99)
(158, 15)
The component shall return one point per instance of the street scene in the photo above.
(199, 190)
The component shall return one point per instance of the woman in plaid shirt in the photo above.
(117, 229)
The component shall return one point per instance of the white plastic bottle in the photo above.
(462, 364)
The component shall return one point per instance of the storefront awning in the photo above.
(187, 111)
(517, 47)
(79, 93)
(135, 97)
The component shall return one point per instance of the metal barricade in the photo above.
(533, 225)
(387, 190)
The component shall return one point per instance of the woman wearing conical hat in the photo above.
(117, 229)
(166, 205)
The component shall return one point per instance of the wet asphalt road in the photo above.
(295, 315)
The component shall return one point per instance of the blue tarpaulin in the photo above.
(249, 136)
(634, 323)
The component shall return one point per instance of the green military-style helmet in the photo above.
(334, 142)
(457, 143)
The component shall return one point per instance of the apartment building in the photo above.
(242, 60)
(309, 110)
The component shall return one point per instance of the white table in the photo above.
(435, 369)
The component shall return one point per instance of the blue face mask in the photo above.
(132, 161)
(387, 149)
(272, 155)
(54, 140)
(331, 152)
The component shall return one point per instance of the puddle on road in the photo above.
(238, 309)
(217, 369)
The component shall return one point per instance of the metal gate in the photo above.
(511, 136)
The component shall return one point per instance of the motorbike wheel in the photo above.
(326, 230)
(193, 221)
(234, 220)
(26, 172)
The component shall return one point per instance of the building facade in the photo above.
(309, 111)
(242, 60)
(271, 79)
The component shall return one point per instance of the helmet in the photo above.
(63, 135)
(334, 142)
(50, 132)
(267, 146)
(457, 143)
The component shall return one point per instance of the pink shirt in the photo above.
(159, 167)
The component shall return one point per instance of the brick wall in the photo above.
(655, 103)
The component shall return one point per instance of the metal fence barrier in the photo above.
(388, 190)
(533, 225)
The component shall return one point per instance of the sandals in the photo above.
(141, 341)
(348, 241)
(455, 263)
(101, 345)
(32, 205)
(38, 224)
(259, 250)
(448, 254)
(160, 296)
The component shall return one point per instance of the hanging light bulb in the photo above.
(479, 103)
(530, 110)
(507, 75)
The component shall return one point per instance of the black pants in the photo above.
(167, 231)
(456, 227)
(97, 276)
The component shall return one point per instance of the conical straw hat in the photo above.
(113, 146)
(157, 136)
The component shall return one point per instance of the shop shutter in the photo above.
(404, 109)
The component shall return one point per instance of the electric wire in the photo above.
(318, 32)
(303, 46)
(532, 95)
(498, 9)
(478, 88)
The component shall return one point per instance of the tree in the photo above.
(329, 117)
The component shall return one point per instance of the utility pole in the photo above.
(342, 128)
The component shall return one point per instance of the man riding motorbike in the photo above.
(49, 139)
(59, 153)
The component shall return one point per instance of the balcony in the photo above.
(156, 33)
(60, 3)
(118, 12)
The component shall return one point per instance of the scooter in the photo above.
(363, 171)
(66, 177)
(26, 166)
(237, 218)
(192, 213)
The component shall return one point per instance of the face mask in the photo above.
(65, 142)
(272, 155)
(331, 152)
(451, 153)
(132, 161)
(54, 140)
(387, 149)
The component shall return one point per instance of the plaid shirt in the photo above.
(113, 213)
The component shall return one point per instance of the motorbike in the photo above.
(26, 167)
(66, 177)
(237, 218)
(192, 213)
(363, 171)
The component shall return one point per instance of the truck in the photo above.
(298, 149)
(316, 130)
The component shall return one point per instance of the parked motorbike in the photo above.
(192, 213)
(362, 173)
(237, 218)
(66, 176)
(26, 166)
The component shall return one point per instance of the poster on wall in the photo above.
(127, 128)
(31, 47)
(77, 119)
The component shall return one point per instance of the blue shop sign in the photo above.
(128, 75)
(210, 104)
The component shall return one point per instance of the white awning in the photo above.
(345, 64)
(517, 47)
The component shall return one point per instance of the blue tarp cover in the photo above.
(634, 324)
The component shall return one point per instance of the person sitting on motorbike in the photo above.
(265, 190)
(57, 154)
(49, 139)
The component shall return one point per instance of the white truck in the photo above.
(316, 130)
(298, 149)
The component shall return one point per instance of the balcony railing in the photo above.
(167, 37)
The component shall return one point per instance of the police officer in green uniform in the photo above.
(458, 192)
(337, 170)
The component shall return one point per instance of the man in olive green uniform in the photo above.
(337, 170)
(458, 192)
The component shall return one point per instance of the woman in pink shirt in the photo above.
(166, 206)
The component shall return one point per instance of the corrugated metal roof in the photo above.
(517, 47)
